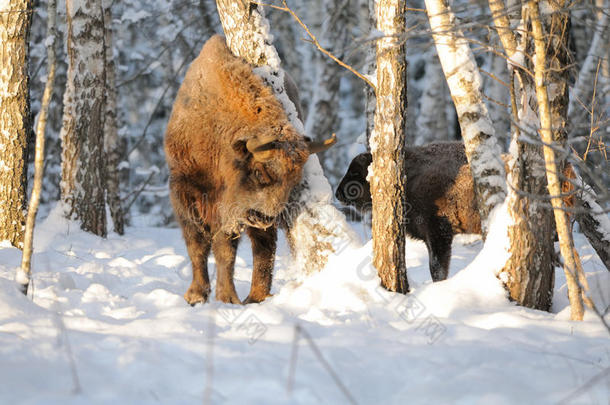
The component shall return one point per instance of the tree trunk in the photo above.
(529, 269)
(15, 124)
(482, 149)
(552, 123)
(23, 276)
(315, 229)
(389, 179)
(83, 159)
(112, 144)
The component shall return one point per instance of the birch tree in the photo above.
(23, 275)
(15, 125)
(315, 228)
(112, 146)
(82, 134)
(388, 177)
(482, 149)
(552, 132)
(528, 272)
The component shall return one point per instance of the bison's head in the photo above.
(354, 189)
(268, 166)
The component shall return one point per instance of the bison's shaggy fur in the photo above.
(233, 158)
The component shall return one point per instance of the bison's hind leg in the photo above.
(438, 241)
(263, 254)
(198, 246)
(224, 247)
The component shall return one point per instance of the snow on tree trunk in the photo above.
(112, 145)
(482, 149)
(431, 121)
(23, 275)
(15, 124)
(528, 273)
(552, 132)
(82, 134)
(323, 118)
(315, 229)
(387, 176)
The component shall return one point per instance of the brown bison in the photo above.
(440, 197)
(233, 159)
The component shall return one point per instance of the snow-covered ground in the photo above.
(108, 324)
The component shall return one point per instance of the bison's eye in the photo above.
(260, 176)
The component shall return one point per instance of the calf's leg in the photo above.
(263, 254)
(224, 247)
(438, 242)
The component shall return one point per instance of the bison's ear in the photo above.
(316, 147)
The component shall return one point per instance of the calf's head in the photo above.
(354, 189)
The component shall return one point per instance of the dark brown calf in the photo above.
(440, 197)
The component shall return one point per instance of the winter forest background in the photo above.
(154, 43)
(105, 319)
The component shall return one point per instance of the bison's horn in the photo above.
(315, 147)
(260, 147)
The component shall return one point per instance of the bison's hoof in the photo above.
(228, 297)
(196, 294)
(255, 298)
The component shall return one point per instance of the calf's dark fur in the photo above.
(440, 197)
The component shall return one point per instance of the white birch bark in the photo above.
(315, 228)
(82, 133)
(112, 145)
(482, 149)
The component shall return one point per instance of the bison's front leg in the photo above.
(263, 254)
(224, 247)
(198, 247)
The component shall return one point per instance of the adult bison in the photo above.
(233, 159)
